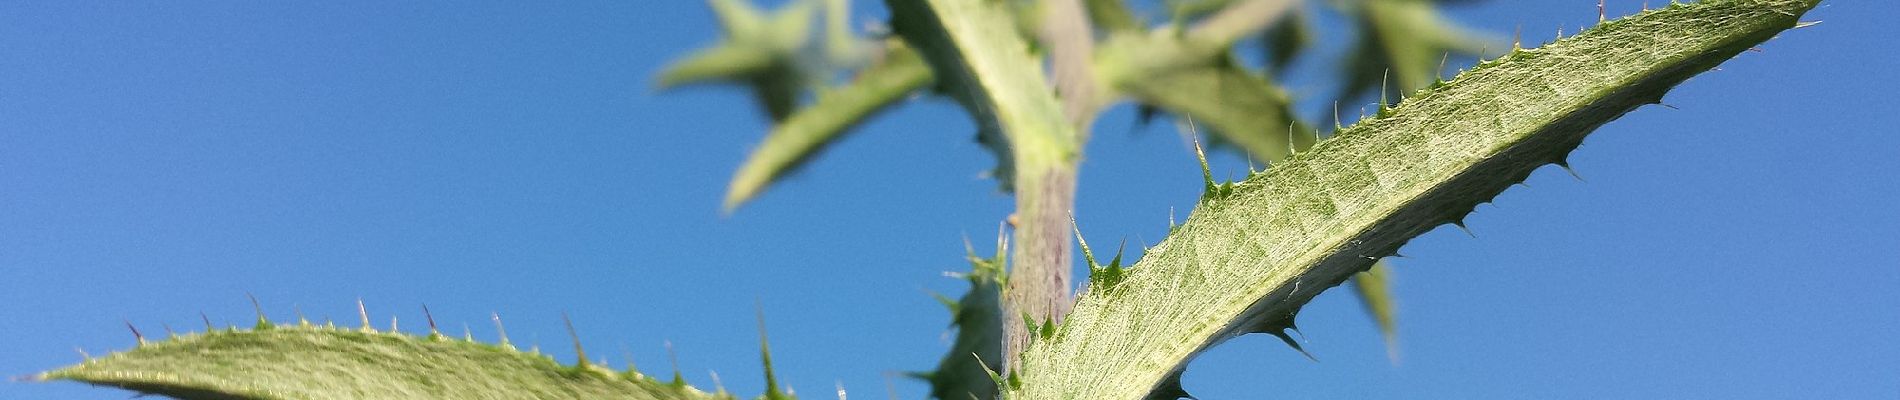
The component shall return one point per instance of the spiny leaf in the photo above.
(1311, 222)
(1102, 277)
(295, 362)
(978, 319)
(796, 139)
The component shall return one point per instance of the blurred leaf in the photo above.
(1188, 10)
(1112, 15)
(805, 133)
(1374, 287)
(978, 316)
(715, 63)
(1182, 76)
(1283, 42)
(1402, 46)
(768, 55)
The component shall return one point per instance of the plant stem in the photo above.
(1066, 32)
(982, 62)
(1040, 278)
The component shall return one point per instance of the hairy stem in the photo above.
(1040, 281)
(982, 62)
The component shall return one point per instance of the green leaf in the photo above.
(765, 54)
(1112, 15)
(715, 63)
(1192, 76)
(964, 372)
(981, 59)
(796, 139)
(1245, 262)
(1403, 46)
(1286, 40)
(1242, 108)
(1374, 288)
(1184, 10)
(305, 362)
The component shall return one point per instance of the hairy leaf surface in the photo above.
(329, 363)
(1253, 252)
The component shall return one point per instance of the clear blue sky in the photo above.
(161, 159)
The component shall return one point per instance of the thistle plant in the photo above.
(1033, 75)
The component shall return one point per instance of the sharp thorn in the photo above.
(1385, 83)
(262, 322)
(1442, 60)
(363, 313)
(580, 355)
(431, 318)
(1002, 241)
(1337, 125)
(627, 354)
(1087, 255)
(1288, 339)
(1573, 172)
(1207, 175)
(135, 332)
(765, 352)
(1517, 40)
(890, 386)
(501, 331)
(969, 250)
(674, 358)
